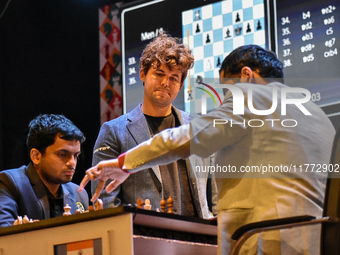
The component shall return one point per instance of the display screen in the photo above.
(211, 29)
(307, 42)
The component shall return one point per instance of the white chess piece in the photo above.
(147, 205)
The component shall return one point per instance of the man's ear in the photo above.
(247, 74)
(35, 156)
(142, 75)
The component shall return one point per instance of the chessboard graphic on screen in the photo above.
(212, 32)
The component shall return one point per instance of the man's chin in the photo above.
(66, 179)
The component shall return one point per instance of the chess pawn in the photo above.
(163, 204)
(248, 28)
(259, 27)
(67, 210)
(198, 29)
(147, 205)
(170, 202)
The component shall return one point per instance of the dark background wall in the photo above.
(49, 63)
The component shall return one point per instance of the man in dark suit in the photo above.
(163, 68)
(41, 189)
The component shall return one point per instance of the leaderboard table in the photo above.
(122, 230)
(307, 42)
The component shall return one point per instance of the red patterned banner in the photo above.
(110, 62)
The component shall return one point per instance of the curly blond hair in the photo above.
(167, 50)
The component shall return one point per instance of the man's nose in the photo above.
(72, 162)
(165, 81)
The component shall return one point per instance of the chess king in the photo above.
(163, 68)
(43, 188)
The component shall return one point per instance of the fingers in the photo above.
(90, 174)
(112, 186)
(100, 187)
(83, 183)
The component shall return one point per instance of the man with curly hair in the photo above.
(163, 68)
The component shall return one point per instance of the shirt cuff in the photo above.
(121, 159)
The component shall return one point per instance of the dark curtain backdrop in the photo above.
(49, 64)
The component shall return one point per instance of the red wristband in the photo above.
(121, 159)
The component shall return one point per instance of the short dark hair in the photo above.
(265, 62)
(44, 128)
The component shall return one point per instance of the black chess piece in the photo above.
(237, 17)
(259, 27)
(248, 28)
(198, 29)
(208, 39)
(238, 30)
(218, 62)
(228, 33)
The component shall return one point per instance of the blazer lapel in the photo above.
(68, 199)
(39, 190)
(140, 132)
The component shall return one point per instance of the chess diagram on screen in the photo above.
(212, 32)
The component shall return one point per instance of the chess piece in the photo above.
(237, 17)
(163, 204)
(18, 221)
(228, 33)
(140, 203)
(25, 220)
(170, 203)
(147, 205)
(238, 30)
(198, 29)
(208, 39)
(197, 15)
(248, 28)
(259, 27)
(67, 210)
(98, 205)
(218, 62)
(208, 65)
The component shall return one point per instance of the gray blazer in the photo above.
(23, 193)
(125, 132)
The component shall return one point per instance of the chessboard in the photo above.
(212, 32)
